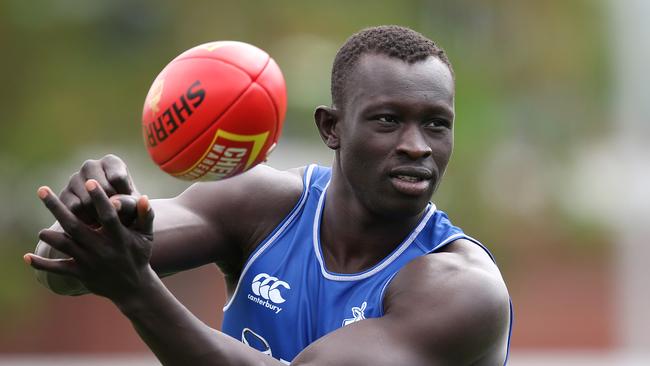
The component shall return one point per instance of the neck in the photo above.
(352, 237)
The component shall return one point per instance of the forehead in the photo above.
(379, 77)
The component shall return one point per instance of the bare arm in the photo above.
(221, 222)
(210, 222)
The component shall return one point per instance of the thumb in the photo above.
(144, 221)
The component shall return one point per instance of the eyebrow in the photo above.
(441, 109)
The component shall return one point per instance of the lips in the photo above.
(412, 181)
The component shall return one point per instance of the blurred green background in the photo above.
(536, 84)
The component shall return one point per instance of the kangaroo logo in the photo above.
(357, 314)
(268, 287)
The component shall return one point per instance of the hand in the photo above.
(112, 260)
(112, 175)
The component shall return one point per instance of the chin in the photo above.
(402, 207)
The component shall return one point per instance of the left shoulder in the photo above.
(455, 296)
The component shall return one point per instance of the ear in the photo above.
(327, 119)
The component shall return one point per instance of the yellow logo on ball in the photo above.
(228, 153)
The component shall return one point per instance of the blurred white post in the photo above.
(630, 42)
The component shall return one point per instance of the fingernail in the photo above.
(145, 202)
(27, 258)
(117, 204)
(91, 184)
(43, 192)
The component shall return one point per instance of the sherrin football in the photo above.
(214, 111)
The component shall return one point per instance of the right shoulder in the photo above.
(247, 206)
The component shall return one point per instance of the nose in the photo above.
(413, 143)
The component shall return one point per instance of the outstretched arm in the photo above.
(208, 223)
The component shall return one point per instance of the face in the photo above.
(395, 133)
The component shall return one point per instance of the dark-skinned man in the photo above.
(348, 265)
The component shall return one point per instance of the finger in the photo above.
(69, 222)
(62, 242)
(117, 174)
(145, 216)
(94, 169)
(106, 213)
(77, 200)
(66, 266)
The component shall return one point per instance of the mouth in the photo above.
(411, 181)
(408, 178)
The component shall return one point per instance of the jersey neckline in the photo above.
(385, 262)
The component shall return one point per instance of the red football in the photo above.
(214, 111)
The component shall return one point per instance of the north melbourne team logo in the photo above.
(357, 314)
(268, 291)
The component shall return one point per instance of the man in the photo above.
(344, 266)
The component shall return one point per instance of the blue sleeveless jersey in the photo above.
(286, 299)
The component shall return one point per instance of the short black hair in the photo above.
(390, 40)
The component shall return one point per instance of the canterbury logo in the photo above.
(268, 287)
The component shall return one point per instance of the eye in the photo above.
(386, 118)
(437, 123)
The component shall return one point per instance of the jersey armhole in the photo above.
(279, 229)
(382, 294)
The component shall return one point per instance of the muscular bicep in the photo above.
(367, 342)
(387, 341)
(221, 221)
